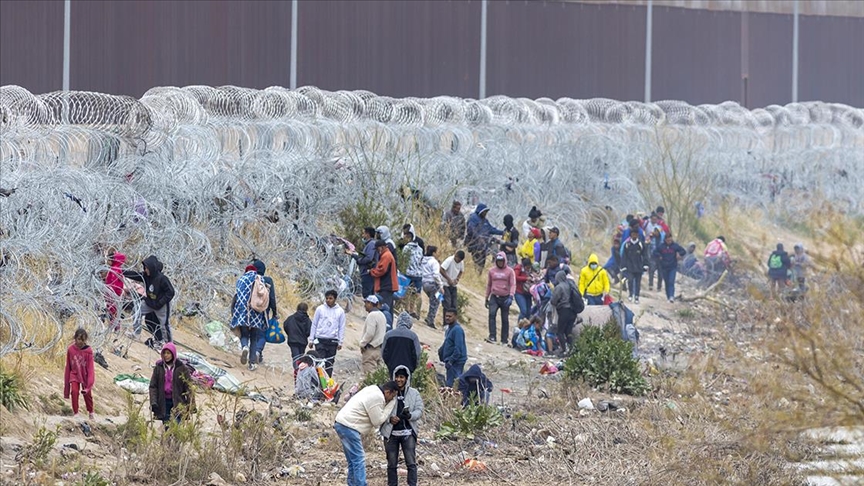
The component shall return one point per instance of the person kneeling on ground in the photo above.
(365, 412)
(475, 387)
(401, 429)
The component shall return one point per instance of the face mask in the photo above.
(593, 266)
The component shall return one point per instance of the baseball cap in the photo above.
(373, 299)
(500, 257)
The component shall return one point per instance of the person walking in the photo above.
(453, 352)
(249, 321)
(479, 232)
(433, 283)
(413, 253)
(594, 284)
(171, 394)
(158, 293)
(374, 329)
(366, 261)
(779, 265)
(364, 413)
(452, 269)
(667, 255)
(500, 291)
(79, 376)
(800, 264)
(385, 274)
(270, 314)
(328, 330)
(634, 262)
(297, 328)
(401, 430)
(401, 346)
(568, 304)
(454, 224)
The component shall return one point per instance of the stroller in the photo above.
(312, 382)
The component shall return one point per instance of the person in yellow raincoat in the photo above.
(593, 282)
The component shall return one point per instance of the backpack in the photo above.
(274, 333)
(259, 298)
(775, 262)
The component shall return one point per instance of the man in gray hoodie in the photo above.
(401, 429)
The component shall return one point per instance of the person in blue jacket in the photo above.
(667, 255)
(479, 234)
(366, 261)
(453, 352)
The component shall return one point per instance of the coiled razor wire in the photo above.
(206, 177)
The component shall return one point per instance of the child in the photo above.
(79, 373)
(170, 392)
(307, 385)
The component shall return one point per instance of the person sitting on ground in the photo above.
(717, 256)
(364, 413)
(401, 346)
(400, 431)
(778, 269)
(530, 335)
(475, 387)
(689, 264)
(594, 283)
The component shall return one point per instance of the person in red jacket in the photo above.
(79, 375)
(524, 279)
(114, 282)
(385, 274)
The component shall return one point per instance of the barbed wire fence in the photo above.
(206, 177)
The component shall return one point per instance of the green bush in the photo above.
(367, 212)
(422, 380)
(461, 306)
(12, 392)
(469, 421)
(602, 359)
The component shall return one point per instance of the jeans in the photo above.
(453, 372)
(260, 341)
(431, 290)
(594, 300)
(249, 336)
(352, 445)
(654, 267)
(169, 406)
(296, 352)
(524, 303)
(634, 282)
(669, 277)
(409, 450)
(326, 348)
(449, 297)
(367, 285)
(502, 303)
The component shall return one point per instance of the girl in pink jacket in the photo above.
(79, 375)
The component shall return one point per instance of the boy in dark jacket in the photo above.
(297, 328)
(171, 394)
(158, 293)
(453, 352)
(667, 255)
(634, 261)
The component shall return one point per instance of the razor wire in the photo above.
(208, 177)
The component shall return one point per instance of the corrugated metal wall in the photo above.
(429, 48)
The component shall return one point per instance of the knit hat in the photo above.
(534, 213)
(535, 233)
(250, 268)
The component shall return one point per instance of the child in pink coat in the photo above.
(79, 375)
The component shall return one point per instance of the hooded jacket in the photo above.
(385, 235)
(114, 282)
(593, 282)
(500, 282)
(565, 295)
(261, 268)
(158, 290)
(79, 369)
(453, 351)
(401, 345)
(474, 382)
(414, 253)
(411, 400)
(297, 328)
(181, 381)
(510, 241)
(634, 256)
(416, 239)
(242, 315)
(385, 273)
(479, 230)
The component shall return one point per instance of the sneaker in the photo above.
(92, 416)
(244, 355)
(76, 416)
(671, 300)
(630, 298)
(432, 325)
(637, 300)
(253, 366)
(491, 340)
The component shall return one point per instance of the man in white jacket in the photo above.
(328, 329)
(365, 412)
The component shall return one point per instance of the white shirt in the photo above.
(328, 323)
(452, 268)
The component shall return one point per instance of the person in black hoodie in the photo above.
(475, 387)
(158, 293)
(401, 346)
(271, 312)
(634, 261)
(297, 328)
